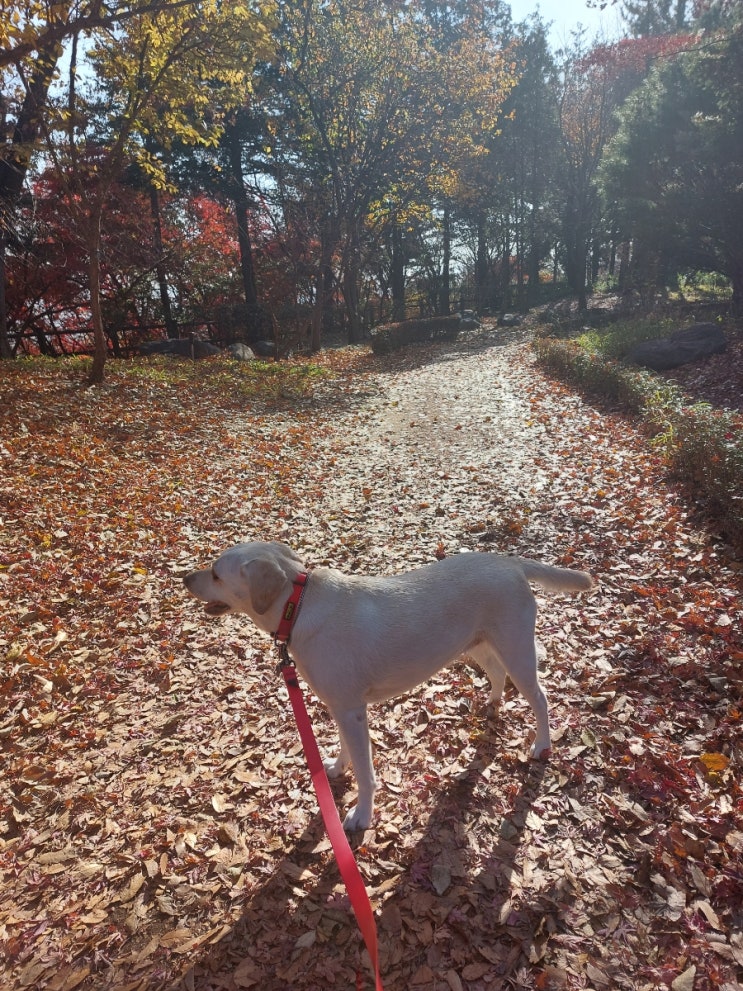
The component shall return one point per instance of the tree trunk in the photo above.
(736, 277)
(242, 205)
(351, 296)
(575, 261)
(397, 275)
(445, 304)
(171, 328)
(535, 257)
(5, 349)
(351, 280)
(482, 298)
(624, 266)
(94, 287)
(323, 288)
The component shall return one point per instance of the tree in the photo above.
(587, 105)
(653, 17)
(150, 84)
(47, 293)
(512, 198)
(372, 108)
(33, 36)
(675, 168)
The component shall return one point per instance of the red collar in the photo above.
(291, 609)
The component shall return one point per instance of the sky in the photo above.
(566, 15)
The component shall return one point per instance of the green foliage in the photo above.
(674, 168)
(616, 340)
(393, 336)
(706, 450)
(695, 285)
(703, 446)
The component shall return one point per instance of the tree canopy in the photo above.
(674, 166)
(377, 159)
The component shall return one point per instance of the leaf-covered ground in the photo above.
(158, 827)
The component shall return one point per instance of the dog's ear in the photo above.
(286, 551)
(265, 581)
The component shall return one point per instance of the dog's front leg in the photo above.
(355, 743)
(335, 766)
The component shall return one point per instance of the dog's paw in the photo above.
(356, 820)
(334, 767)
(540, 752)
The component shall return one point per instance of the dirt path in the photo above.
(446, 449)
(592, 868)
(159, 830)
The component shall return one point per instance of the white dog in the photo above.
(358, 640)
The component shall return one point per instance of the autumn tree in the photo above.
(467, 38)
(33, 37)
(586, 108)
(28, 61)
(150, 83)
(47, 294)
(239, 169)
(510, 199)
(371, 107)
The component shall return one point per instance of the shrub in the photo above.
(703, 446)
(616, 340)
(392, 336)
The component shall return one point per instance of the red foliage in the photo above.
(634, 56)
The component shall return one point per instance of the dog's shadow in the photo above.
(425, 892)
(458, 876)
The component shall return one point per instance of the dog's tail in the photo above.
(556, 579)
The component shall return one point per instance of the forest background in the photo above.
(244, 171)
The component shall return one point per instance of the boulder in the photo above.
(510, 320)
(468, 320)
(698, 341)
(240, 352)
(179, 348)
(264, 349)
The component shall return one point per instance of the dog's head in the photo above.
(246, 578)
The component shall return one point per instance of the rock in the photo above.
(510, 320)
(468, 320)
(561, 310)
(264, 349)
(179, 348)
(241, 352)
(698, 341)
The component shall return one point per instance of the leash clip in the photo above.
(284, 660)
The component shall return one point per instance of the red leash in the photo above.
(336, 834)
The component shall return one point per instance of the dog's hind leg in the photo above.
(534, 694)
(355, 743)
(516, 656)
(486, 657)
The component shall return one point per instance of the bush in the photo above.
(617, 340)
(703, 446)
(392, 336)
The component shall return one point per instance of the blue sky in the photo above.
(566, 15)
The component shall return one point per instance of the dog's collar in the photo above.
(291, 609)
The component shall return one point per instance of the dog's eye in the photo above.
(215, 576)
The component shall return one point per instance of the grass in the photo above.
(702, 445)
(239, 380)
